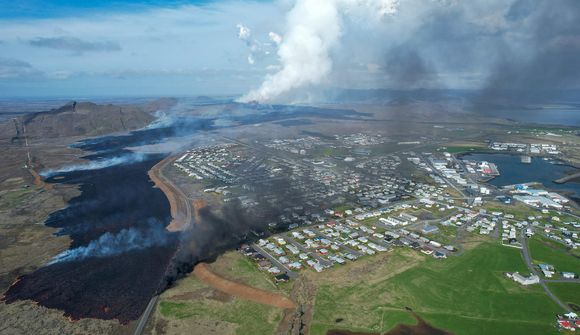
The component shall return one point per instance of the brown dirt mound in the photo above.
(204, 273)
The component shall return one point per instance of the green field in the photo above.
(543, 250)
(465, 295)
(235, 266)
(569, 293)
(250, 318)
(192, 301)
(461, 149)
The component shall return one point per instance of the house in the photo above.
(282, 278)
(532, 279)
(568, 275)
(439, 254)
(547, 270)
(408, 217)
(429, 229)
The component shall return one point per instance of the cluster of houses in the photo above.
(538, 198)
(535, 148)
(299, 146)
(568, 321)
(548, 271)
(448, 169)
(322, 246)
(212, 162)
(481, 168)
(361, 139)
(484, 225)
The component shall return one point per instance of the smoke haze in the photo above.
(500, 49)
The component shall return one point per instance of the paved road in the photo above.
(349, 250)
(320, 259)
(531, 267)
(281, 266)
(145, 317)
(562, 280)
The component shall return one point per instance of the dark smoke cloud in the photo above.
(227, 227)
(545, 64)
(407, 67)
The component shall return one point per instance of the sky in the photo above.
(283, 50)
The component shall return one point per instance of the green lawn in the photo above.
(545, 251)
(461, 149)
(569, 293)
(465, 295)
(251, 318)
(11, 198)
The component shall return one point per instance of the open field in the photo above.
(234, 288)
(462, 149)
(569, 293)
(465, 295)
(545, 251)
(193, 307)
(234, 265)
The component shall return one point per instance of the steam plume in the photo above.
(132, 157)
(114, 244)
(314, 28)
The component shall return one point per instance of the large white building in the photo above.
(518, 278)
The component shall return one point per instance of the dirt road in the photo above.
(180, 206)
(204, 273)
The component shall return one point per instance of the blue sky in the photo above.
(61, 8)
(62, 48)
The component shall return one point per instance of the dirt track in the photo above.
(38, 181)
(180, 210)
(204, 273)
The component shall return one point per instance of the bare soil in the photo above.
(204, 274)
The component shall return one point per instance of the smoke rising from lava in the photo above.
(128, 158)
(110, 244)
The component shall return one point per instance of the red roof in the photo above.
(565, 323)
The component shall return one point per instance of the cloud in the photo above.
(74, 44)
(257, 50)
(314, 29)
(244, 33)
(275, 37)
(13, 68)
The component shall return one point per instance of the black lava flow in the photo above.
(112, 199)
(120, 197)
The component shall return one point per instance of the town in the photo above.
(339, 200)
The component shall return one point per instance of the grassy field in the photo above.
(462, 149)
(14, 197)
(466, 295)
(569, 293)
(235, 266)
(543, 250)
(250, 318)
(192, 307)
(518, 210)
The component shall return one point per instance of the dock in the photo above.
(567, 178)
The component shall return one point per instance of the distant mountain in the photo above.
(84, 119)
